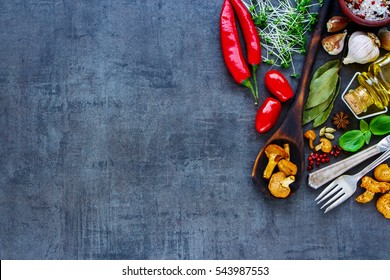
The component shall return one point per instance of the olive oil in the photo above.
(374, 87)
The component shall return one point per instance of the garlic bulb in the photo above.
(363, 47)
(334, 44)
(384, 38)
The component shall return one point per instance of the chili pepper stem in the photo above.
(254, 70)
(248, 84)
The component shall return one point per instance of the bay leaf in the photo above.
(311, 113)
(321, 118)
(319, 72)
(325, 67)
(322, 87)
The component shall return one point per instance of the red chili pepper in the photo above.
(251, 36)
(278, 85)
(231, 48)
(268, 114)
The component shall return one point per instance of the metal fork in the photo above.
(344, 186)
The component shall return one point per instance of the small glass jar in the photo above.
(374, 88)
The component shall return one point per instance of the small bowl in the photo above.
(359, 20)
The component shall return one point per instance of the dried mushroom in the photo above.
(279, 184)
(382, 172)
(287, 167)
(365, 197)
(311, 135)
(287, 149)
(274, 154)
(383, 205)
(325, 145)
(372, 187)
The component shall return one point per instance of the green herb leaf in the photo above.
(283, 27)
(364, 127)
(352, 140)
(295, 75)
(367, 137)
(322, 87)
(321, 111)
(380, 125)
(325, 67)
(323, 116)
(311, 113)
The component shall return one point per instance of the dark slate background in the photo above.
(123, 136)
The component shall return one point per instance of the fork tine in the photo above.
(325, 191)
(336, 196)
(341, 199)
(336, 189)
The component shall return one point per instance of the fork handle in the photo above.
(327, 174)
(376, 162)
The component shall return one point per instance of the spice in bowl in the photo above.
(370, 9)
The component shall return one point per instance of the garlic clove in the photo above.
(363, 47)
(337, 23)
(384, 38)
(334, 44)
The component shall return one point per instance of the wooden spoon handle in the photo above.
(292, 125)
(304, 81)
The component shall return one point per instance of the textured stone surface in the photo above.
(123, 136)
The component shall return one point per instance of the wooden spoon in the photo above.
(290, 132)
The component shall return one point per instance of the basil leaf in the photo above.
(367, 137)
(364, 126)
(380, 125)
(352, 140)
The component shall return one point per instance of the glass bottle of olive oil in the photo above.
(374, 87)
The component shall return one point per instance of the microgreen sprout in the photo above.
(283, 28)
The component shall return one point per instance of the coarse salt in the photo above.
(370, 9)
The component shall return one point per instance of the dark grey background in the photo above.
(123, 136)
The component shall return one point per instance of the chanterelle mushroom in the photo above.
(382, 172)
(287, 167)
(383, 205)
(311, 135)
(279, 184)
(274, 154)
(286, 147)
(372, 187)
(325, 145)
